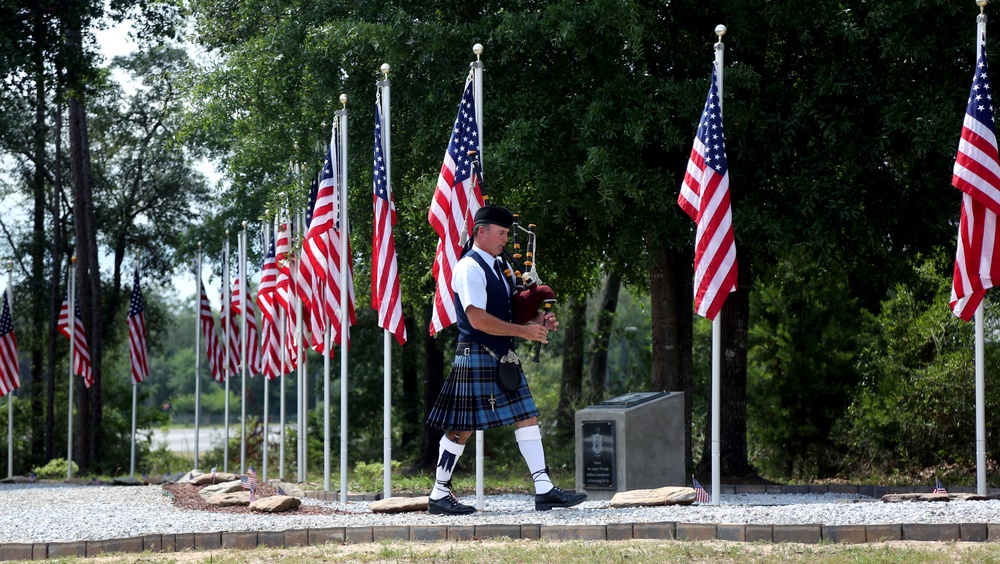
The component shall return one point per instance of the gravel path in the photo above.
(38, 513)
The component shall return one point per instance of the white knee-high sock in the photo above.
(448, 453)
(529, 441)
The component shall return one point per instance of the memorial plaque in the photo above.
(599, 455)
(630, 400)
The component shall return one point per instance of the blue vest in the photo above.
(497, 305)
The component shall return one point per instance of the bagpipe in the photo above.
(530, 296)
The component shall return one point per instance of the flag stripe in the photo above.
(212, 347)
(80, 350)
(10, 379)
(704, 196)
(137, 333)
(385, 273)
(977, 174)
(457, 197)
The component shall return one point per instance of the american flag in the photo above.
(314, 268)
(385, 273)
(10, 379)
(457, 197)
(309, 285)
(137, 333)
(341, 229)
(977, 175)
(281, 491)
(700, 494)
(253, 338)
(212, 347)
(704, 197)
(79, 350)
(230, 333)
(249, 484)
(214, 469)
(938, 488)
(268, 316)
(285, 290)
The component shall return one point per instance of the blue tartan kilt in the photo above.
(464, 402)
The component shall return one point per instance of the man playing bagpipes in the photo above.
(486, 387)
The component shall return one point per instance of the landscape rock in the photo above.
(186, 478)
(276, 504)
(126, 481)
(669, 495)
(290, 489)
(225, 487)
(967, 497)
(399, 504)
(904, 497)
(208, 479)
(230, 499)
(900, 498)
(17, 480)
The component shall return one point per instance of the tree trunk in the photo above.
(604, 321)
(407, 405)
(670, 296)
(433, 381)
(664, 325)
(571, 382)
(55, 301)
(733, 393)
(39, 242)
(88, 269)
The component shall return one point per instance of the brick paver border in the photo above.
(683, 532)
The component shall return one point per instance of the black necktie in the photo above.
(496, 267)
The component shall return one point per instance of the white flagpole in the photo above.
(385, 86)
(477, 92)
(267, 383)
(135, 393)
(303, 442)
(227, 334)
(327, 343)
(345, 233)
(197, 353)
(327, 336)
(71, 292)
(10, 395)
(282, 359)
(242, 273)
(720, 30)
(980, 321)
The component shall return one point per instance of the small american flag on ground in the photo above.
(214, 469)
(249, 483)
(700, 493)
(281, 491)
(32, 477)
(938, 488)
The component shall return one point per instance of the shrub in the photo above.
(55, 469)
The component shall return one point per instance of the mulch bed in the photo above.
(186, 496)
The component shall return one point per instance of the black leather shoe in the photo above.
(557, 498)
(449, 505)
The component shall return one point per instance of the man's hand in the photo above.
(483, 321)
(546, 318)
